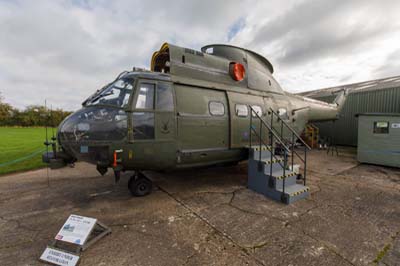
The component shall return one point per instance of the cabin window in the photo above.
(143, 125)
(145, 99)
(241, 110)
(283, 114)
(210, 50)
(381, 127)
(256, 110)
(216, 108)
(165, 99)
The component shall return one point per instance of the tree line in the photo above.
(34, 115)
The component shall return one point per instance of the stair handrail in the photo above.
(268, 127)
(272, 135)
(291, 129)
(306, 147)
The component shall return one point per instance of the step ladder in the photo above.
(271, 174)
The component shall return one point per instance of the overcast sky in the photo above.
(65, 50)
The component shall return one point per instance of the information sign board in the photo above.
(59, 257)
(76, 229)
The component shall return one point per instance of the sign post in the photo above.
(76, 235)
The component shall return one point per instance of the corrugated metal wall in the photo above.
(344, 130)
(383, 149)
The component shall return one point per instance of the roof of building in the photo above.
(377, 114)
(377, 84)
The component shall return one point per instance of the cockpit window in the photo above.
(145, 98)
(116, 94)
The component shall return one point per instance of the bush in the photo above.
(34, 115)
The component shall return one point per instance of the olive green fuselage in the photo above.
(205, 126)
(189, 111)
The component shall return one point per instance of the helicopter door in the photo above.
(203, 125)
(153, 126)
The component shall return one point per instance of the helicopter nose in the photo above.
(88, 133)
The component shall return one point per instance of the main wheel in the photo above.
(140, 185)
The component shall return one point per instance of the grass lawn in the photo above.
(22, 144)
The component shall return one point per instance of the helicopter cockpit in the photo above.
(102, 118)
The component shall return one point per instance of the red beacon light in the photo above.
(237, 71)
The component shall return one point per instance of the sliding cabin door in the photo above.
(203, 125)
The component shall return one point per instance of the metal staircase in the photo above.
(269, 173)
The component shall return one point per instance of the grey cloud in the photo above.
(64, 50)
(57, 49)
(317, 28)
(301, 16)
(390, 66)
(316, 44)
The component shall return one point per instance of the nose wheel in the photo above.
(139, 185)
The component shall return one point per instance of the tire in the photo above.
(140, 186)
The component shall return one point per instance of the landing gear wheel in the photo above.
(139, 185)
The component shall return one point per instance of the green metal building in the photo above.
(375, 96)
(379, 139)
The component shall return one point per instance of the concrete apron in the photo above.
(207, 216)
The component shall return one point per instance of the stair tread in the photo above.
(279, 173)
(267, 160)
(295, 188)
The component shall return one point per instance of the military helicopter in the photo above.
(192, 109)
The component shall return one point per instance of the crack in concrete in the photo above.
(217, 192)
(221, 233)
(316, 206)
(17, 244)
(140, 223)
(234, 195)
(21, 226)
(188, 258)
(328, 247)
(347, 169)
(255, 213)
(230, 203)
(258, 246)
(325, 244)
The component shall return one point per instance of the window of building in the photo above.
(257, 110)
(216, 108)
(143, 125)
(283, 114)
(165, 99)
(241, 110)
(381, 127)
(145, 99)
